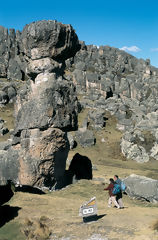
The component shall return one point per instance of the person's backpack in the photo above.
(116, 189)
(123, 186)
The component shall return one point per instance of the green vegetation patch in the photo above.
(11, 231)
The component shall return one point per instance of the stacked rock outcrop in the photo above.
(46, 108)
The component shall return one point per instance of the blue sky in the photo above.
(130, 25)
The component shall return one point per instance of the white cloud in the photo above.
(131, 49)
(154, 49)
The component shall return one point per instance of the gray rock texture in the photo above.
(44, 43)
(51, 102)
(4, 55)
(71, 140)
(46, 106)
(142, 187)
(97, 118)
(9, 165)
(85, 137)
(49, 39)
(56, 65)
(3, 97)
(112, 80)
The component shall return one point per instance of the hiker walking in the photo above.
(119, 194)
(112, 198)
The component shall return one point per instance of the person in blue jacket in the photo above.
(119, 195)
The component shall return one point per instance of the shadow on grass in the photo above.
(29, 189)
(7, 213)
(93, 218)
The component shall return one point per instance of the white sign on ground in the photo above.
(89, 208)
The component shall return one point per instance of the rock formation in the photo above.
(49, 56)
(45, 109)
(110, 79)
(142, 188)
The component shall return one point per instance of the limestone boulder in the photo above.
(42, 156)
(71, 140)
(38, 66)
(9, 165)
(85, 137)
(3, 97)
(11, 91)
(47, 102)
(49, 39)
(97, 118)
(14, 70)
(142, 187)
(139, 145)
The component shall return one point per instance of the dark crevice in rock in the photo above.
(109, 94)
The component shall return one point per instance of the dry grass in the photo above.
(107, 155)
(56, 213)
(155, 225)
(6, 113)
(37, 229)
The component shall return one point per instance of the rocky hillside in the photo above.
(54, 68)
(60, 99)
(112, 80)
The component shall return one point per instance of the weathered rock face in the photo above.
(14, 70)
(85, 137)
(45, 109)
(97, 118)
(40, 43)
(43, 113)
(51, 102)
(11, 63)
(104, 71)
(112, 80)
(49, 54)
(4, 56)
(9, 165)
(142, 187)
(42, 156)
(39, 147)
(49, 39)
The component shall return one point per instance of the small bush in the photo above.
(155, 225)
(37, 230)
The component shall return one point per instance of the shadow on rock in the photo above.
(93, 218)
(7, 213)
(81, 167)
(29, 189)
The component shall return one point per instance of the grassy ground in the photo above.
(107, 155)
(55, 214)
(6, 113)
